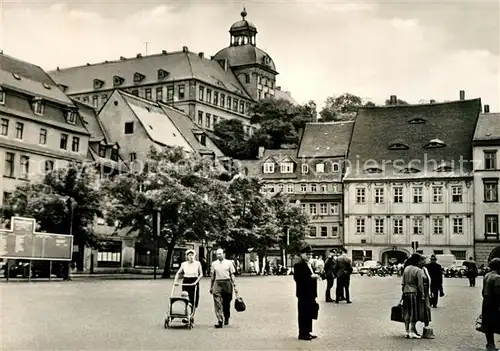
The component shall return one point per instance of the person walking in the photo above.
(491, 304)
(413, 295)
(344, 271)
(436, 276)
(192, 272)
(472, 271)
(221, 287)
(306, 292)
(330, 266)
(428, 332)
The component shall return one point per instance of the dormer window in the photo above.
(17, 76)
(203, 139)
(409, 170)
(162, 74)
(398, 146)
(444, 167)
(46, 86)
(434, 144)
(2, 96)
(335, 167)
(98, 84)
(138, 77)
(38, 106)
(117, 81)
(320, 168)
(269, 167)
(373, 170)
(102, 150)
(114, 153)
(417, 121)
(305, 168)
(63, 87)
(286, 167)
(71, 117)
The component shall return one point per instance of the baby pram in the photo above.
(180, 308)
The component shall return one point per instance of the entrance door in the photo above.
(394, 257)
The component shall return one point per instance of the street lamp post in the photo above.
(156, 228)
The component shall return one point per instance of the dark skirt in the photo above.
(193, 291)
(491, 316)
(414, 309)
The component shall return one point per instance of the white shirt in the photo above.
(190, 269)
(222, 269)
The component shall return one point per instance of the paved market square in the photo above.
(96, 314)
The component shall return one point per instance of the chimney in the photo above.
(185, 49)
(432, 101)
(201, 55)
(393, 100)
(122, 58)
(462, 94)
(139, 55)
(486, 108)
(261, 152)
(164, 52)
(58, 68)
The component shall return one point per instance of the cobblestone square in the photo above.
(128, 315)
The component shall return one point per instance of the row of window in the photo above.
(114, 153)
(42, 137)
(383, 226)
(323, 232)
(225, 101)
(288, 167)
(24, 164)
(323, 209)
(417, 195)
(39, 108)
(304, 187)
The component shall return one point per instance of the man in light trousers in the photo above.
(222, 286)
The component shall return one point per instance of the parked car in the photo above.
(369, 267)
(39, 268)
(457, 270)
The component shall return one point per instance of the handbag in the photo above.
(397, 312)
(441, 292)
(239, 304)
(479, 324)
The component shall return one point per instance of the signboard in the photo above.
(22, 242)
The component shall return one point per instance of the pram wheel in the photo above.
(166, 325)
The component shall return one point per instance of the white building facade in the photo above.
(409, 180)
(486, 178)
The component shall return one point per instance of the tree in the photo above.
(230, 138)
(341, 108)
(184, 189)
(280, 121)
(63, 201)
(398, 102)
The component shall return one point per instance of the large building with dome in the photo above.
(208, 89)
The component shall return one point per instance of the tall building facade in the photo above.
(312, 176)
(486, 149)
(207, 89)
(409, 179)
(41, 128)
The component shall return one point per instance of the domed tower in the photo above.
(254, 68)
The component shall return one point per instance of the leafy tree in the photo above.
(63, 201)
(398, 102)
(280, 121)
(341, 108)
(230, 137)
(184, 189)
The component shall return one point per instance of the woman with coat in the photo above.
(428, 332)
(413, 295)
(491, 304)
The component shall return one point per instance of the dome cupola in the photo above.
(243, 32)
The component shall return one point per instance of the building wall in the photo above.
(408, 212)
(113, 117)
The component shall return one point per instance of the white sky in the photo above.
(415, 50)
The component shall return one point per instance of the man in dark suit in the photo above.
(472, 271)
(306, 292)
(436, 274)
(330, 267)
(344, 271)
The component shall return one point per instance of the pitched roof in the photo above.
(280, 154)
(30, 79)
(188, 129)
(91, 121)
(376, 128)
(328, 139)
(180, 65)
(488, 127)
(156, 123)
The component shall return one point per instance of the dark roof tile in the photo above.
(329, 139)
(488, 127)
